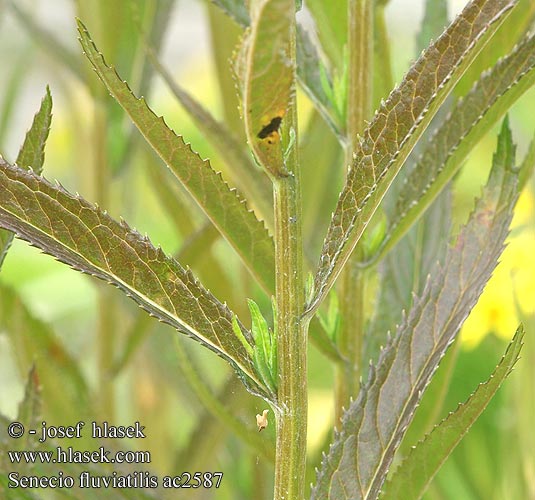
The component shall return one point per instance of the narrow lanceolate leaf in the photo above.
(267, 80)
(222, 205)
(376, 421)
(396, 127)
(404, 271)
(81, 235)
(471, 118)
(415, 473)
(242, 172)
(31, 154)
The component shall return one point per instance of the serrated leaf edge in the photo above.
(513, 344)
(206, 163)
(324, 275)
(142, 300)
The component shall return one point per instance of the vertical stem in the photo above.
(291, 342)
(353, 280)
(290, 461)
(360, 85)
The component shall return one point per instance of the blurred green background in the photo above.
(100, 358)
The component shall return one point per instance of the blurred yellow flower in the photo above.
(512, 285)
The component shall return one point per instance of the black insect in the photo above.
(270, 128)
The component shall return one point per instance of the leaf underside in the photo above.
(403, 273)
(414, 474)
(223, 206)
(376, 421)
(470, 119)
(396, 127)
(86, 238)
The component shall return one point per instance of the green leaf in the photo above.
(158, 18)
(330, 321)
(243, 173)
(308, 62)
(322, 340)
(31, 154)
(415, 473)
(223, 206)
(225, 35)
(396, 127)
(266, 77)
(403, 273)
(470, 119)
(86, 238)
(376, 421)
(198, 234)
(518, 23)
(265, 348)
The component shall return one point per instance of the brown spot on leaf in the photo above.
(271, 130)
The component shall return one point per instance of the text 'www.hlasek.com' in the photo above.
(40, 459)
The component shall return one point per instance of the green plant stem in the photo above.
(353, 279)
(291, 343)
(291, 414)
(360, 84)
